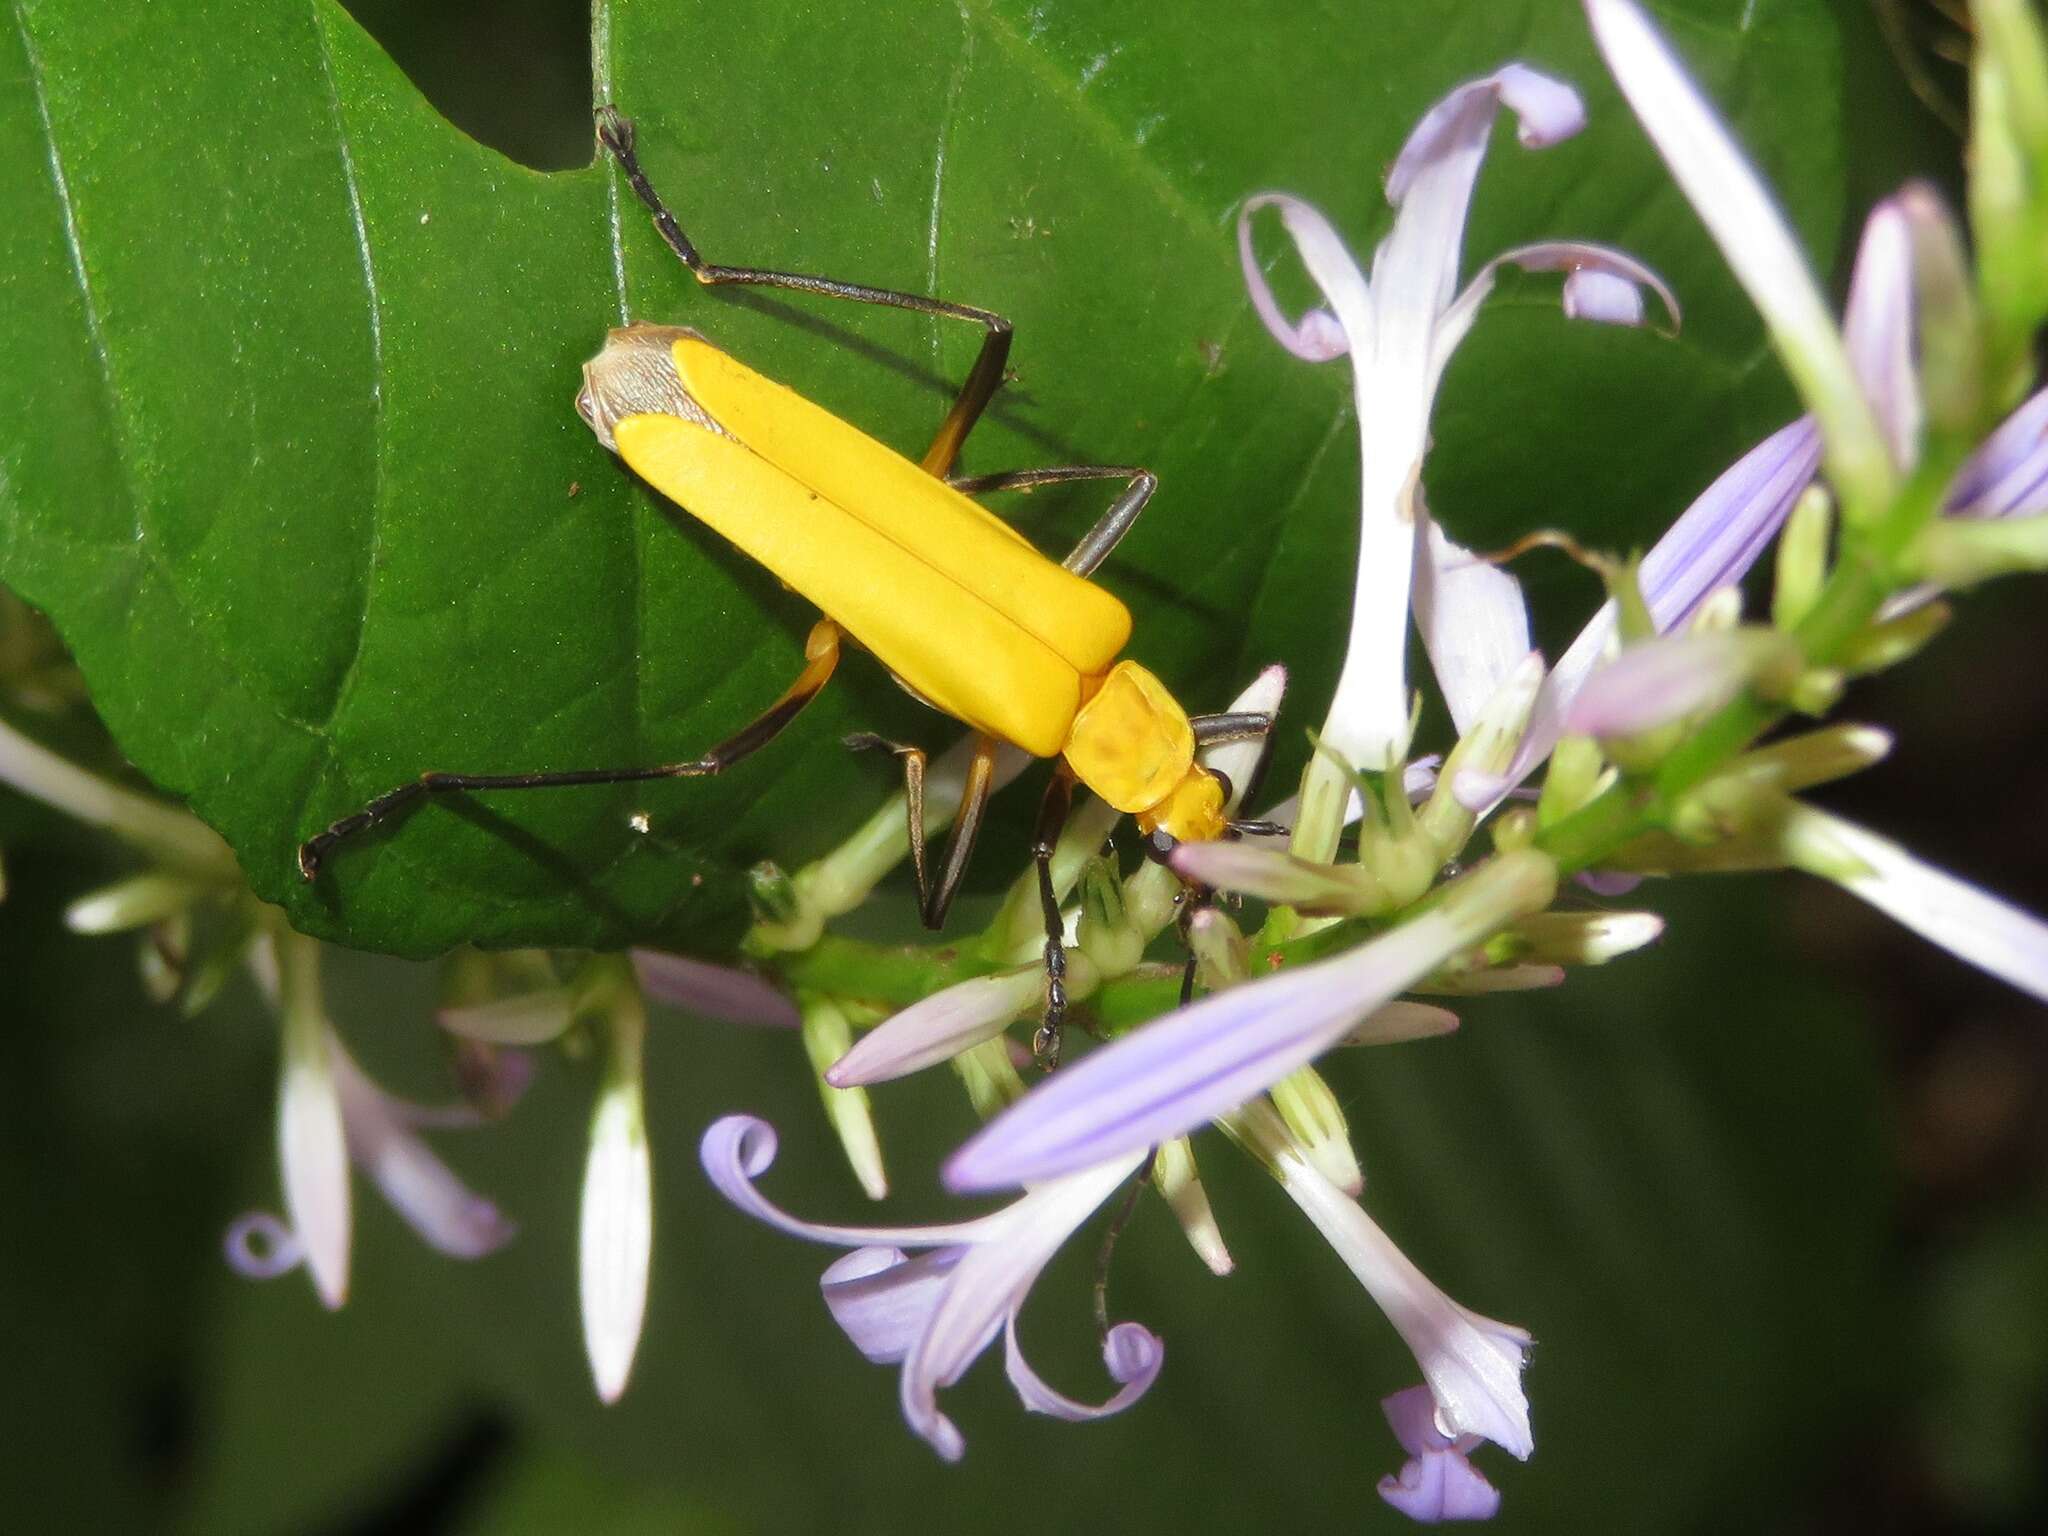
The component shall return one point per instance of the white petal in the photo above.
(1754, 237)
(1238, 761)
(616, 1240)
(1474, 624)
(312, 1147)
(1971, 924)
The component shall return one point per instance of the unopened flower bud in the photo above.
(827, 1037)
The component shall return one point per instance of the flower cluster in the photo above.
(1669, 738)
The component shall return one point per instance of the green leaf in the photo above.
(288, 453)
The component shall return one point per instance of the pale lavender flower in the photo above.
(939, 1027)
(1178, 1073)
(721, 992)
(382, 1141)
(380, 1134)
(2008, 474)
(937, 1312)
(1400, 328)
(1437, 1482)
(1472, 1364)
(1670, 677)
(1712, 545)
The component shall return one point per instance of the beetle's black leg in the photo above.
(1242, 725)
(821, 655)
(615, 132)
(913, 799)
(1052, 815)
(1193, 899)
(1098, 541)
(981, 773)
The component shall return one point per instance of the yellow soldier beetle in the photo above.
(959, 606)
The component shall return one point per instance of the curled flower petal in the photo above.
(1179, 1072)
(989, 1287)
(1971, 924)
(1131, 1353)
(939, 1027)
(1320, 335)
(1602, 285)
(1547, 112)
(938, 1312)
(883, 1300)
(258, 1245)
(720, 992)
(738, 1149)
(1437, 1483)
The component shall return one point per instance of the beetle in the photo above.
(964, 612)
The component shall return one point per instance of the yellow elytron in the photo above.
(953, 601)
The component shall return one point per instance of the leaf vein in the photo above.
(350, 181)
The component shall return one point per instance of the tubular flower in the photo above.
(1399, 328)
(937, 1312)
(380, 1135)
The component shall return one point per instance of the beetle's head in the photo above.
(634, 374)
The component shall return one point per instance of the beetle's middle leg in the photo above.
(821, 656)
(615, 132)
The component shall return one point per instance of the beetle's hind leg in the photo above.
(821, 656)
(615, 132)
(1109, 529)
(934, 898)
